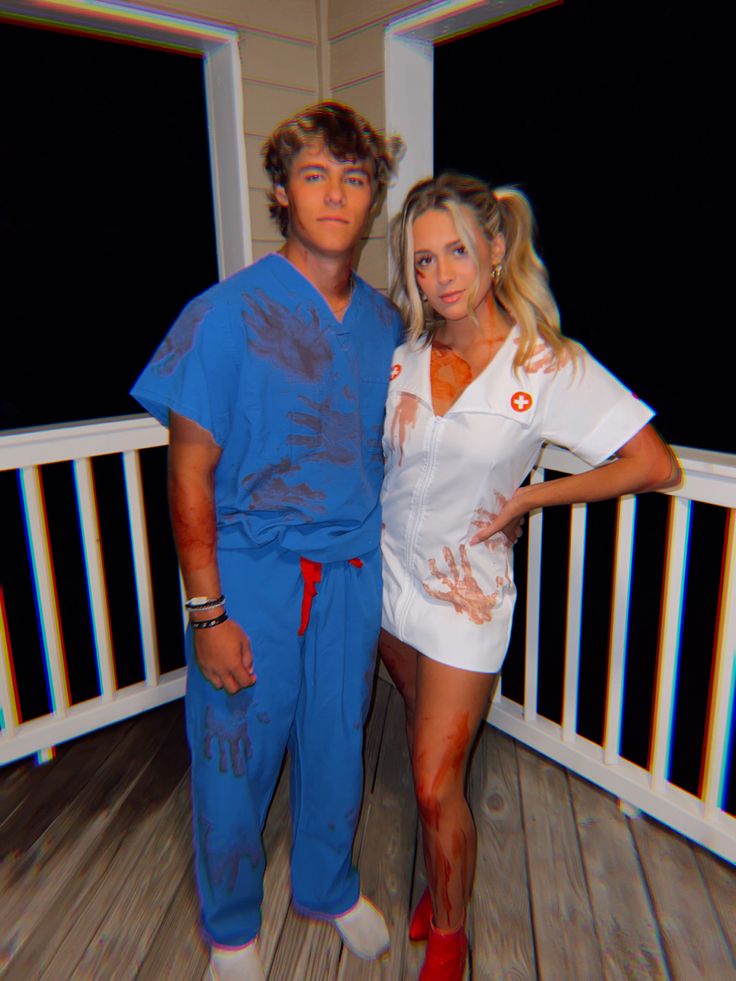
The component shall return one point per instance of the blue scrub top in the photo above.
(294, 398)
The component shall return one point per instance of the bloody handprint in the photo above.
(269, 491)
(543, 358)
(463, 592)
(223, 860)
(506, 537)
(233, 742)
(294, 339)
(334, 436)
(403, 419)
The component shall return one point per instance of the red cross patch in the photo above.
(521, 401)
(395, 372)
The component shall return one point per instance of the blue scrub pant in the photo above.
(312, 695)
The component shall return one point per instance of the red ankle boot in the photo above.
(421, 918)
(447, 956)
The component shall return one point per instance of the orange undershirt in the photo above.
(449, 376)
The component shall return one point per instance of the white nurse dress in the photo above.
(447, 474)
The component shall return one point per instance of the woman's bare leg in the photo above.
(450, 704)
(401, 663)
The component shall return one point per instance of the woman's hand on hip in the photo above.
(507, 522)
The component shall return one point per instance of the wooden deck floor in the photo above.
(96, 871)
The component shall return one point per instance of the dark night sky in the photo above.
(614, 120)
(106, 217)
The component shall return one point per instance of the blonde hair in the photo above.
(522, 288)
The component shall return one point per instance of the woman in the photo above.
(484, 379)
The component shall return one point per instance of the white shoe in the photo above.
(363, 930)
(235, 964)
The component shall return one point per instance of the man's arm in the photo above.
(223, 652)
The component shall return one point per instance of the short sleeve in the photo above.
(590, 412)
(195, 370)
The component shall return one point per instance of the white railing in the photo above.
(26, 452)
(710, 478)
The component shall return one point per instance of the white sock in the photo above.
(363, 930)
(235, 964)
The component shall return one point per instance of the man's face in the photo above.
(328, 201)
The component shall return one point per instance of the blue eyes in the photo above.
(354, 180)
(423, 261)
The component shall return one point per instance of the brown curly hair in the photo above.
(343, 132)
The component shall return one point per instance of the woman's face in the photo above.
(445, 271)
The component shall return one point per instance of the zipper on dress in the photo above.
(416, 511)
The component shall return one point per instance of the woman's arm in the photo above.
(644, 463)
(223, 652)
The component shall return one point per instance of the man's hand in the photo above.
(224, 656)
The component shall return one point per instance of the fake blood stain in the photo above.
(403, 419)
(449, 374)
(293, 339)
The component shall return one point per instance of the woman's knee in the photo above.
(439, 775)
(436, 788)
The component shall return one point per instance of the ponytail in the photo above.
(523, 285)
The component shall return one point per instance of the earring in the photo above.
(496, 274)
(422, 297)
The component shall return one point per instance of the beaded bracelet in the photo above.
(205, 624)
(203, 603)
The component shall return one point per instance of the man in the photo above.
(273, 384)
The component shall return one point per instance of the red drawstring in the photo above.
(312, 574)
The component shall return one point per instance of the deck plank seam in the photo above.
(584, 868)
(650, 894)
(380, 742)
(188, 869)
(713, 905)
(163, 813)
(522, 811)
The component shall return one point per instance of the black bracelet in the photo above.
(203, 603)
(205, 624)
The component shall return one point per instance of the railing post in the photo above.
(534, 573)
(87, 503)
(8, 709)
(575, 573)
(625, 522)
(678, 534)
(45, 588)
(723, 681)
(141, 565)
